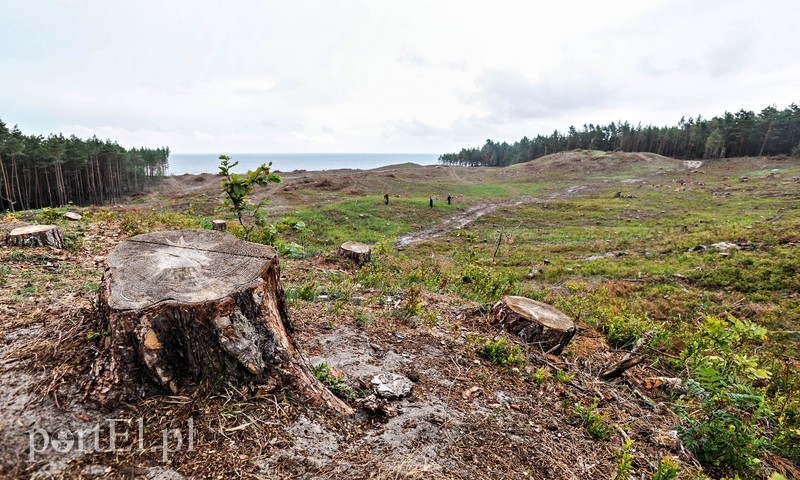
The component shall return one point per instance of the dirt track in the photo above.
(473, 213)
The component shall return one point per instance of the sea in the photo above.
(195, 163)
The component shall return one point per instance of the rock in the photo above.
(502, 398)
(605, 255)
(73, 216)
(391, 385)
(725, 246)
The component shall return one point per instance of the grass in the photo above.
(365, 220)
(654, 280)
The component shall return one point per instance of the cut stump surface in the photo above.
(359, 252)
(36, 236)
(219, 225)
(191, 305)
(535, 322)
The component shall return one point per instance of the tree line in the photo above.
(744, 133)
(37, 172)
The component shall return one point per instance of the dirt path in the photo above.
(473, 213)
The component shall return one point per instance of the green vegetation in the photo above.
(37, 172)
(628, 266)
(704, 263)
(666, 469)
(237, 187)
(540, 376)
(501, 352)
(335, 384)
(770, 132)
(624, 460)
(595, 422)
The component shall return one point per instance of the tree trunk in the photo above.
(36, 235)
(358, 252)
(219, 225)
(535, 322)
(187, 306)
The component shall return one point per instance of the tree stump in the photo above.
(219, 225)
(185, 306)
(74, 216)
(535, 322)
(358, 252)
(36, 235)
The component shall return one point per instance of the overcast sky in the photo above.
(383, 76)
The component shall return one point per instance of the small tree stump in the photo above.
(36, 236)
(219, 225)
(535, 322)
(184, 306)
(358, 252)
(72, 216)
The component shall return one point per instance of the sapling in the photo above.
(237, 187)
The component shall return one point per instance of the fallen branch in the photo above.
(630, 360)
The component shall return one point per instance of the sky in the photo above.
(382, 76)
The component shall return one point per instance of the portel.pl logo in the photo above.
(113, 435)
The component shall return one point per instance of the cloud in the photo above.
(383, 76)
(413, 128)
(729, 57)
(508, 95)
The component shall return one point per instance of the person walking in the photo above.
(431, 202)
(449, 197)
(386, 198)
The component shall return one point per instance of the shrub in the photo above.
(502, 353)
(593, 421)
(624, 460)
(540, 376)
(237, 187)
(724, 429)
(334, 384)
(666, 469)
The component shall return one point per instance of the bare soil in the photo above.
(466, 418)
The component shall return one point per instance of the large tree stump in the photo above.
(358, 252)
(184, 306)
(36, 235)
(219, 225)
(535, 322)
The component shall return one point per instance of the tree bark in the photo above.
(358, 252)
(182, 307)
(36, 235)
(535, 322)
(219, 225)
